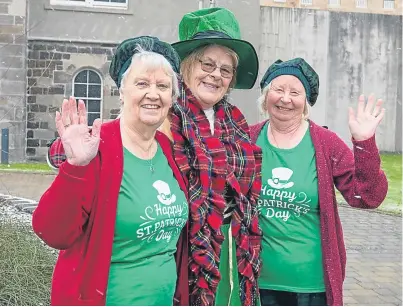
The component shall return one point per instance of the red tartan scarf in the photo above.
(212, 163)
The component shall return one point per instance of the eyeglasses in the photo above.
(226, 71)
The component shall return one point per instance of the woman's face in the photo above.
(286, 98)
(211, 76)
(147, 96)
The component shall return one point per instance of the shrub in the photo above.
(26, 266)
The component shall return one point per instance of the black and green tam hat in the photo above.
(123, 56)
(299, 68)
(218, 26)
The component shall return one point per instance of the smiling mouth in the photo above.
(150, 106)
(209, 85)
(282, 109)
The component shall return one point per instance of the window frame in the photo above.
(101, 99)
(386, 7)
(91, 4)
(333, 3)
(359, 2)
(306, 2)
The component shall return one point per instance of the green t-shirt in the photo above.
(289, 218)
(151, 212)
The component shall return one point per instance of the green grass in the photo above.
(41, 167)
(392, 166)
(26, 267)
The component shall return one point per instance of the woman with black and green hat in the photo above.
(303, 251)
(213, 148)
(118, 205)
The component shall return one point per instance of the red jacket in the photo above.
(363, 185)
(77, 215)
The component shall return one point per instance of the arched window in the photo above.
(87, 85)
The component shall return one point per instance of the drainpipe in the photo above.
(200, 4)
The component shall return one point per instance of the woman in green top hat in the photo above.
(212, 146)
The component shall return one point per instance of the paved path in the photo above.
(374, 258)
(373, 241)
(26, 185)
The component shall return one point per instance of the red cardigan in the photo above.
(363, 185)
(77, 215)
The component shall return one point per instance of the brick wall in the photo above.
(12, 76)
(51, 67)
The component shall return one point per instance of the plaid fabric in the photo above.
(214, 164)
(56, 155)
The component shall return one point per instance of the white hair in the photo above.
(261, 101)
(152, 61)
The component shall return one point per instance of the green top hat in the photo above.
(218, 26)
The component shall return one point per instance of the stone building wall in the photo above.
(52, 69)
(13, 75)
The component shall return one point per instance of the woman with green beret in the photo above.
(118, 205)
(303, 251)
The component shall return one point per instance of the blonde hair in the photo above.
(189, 62)
(261, 102)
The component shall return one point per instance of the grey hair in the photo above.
(152, 60)
(262, 100)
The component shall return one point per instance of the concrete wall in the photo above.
(352, 53)
(365, 56)
(12, 75)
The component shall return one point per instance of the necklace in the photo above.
(150, 159)
(274, 138)
(148, 150)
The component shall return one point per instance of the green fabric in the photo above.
(289, 217)
(224, 295)
(299, 68)
(151, 212)
(124, 52)
(214, 24)
(216, 18)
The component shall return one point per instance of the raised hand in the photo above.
(79, 144)
(363, 124)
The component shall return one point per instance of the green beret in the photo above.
(122, 58)
(296, 67)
